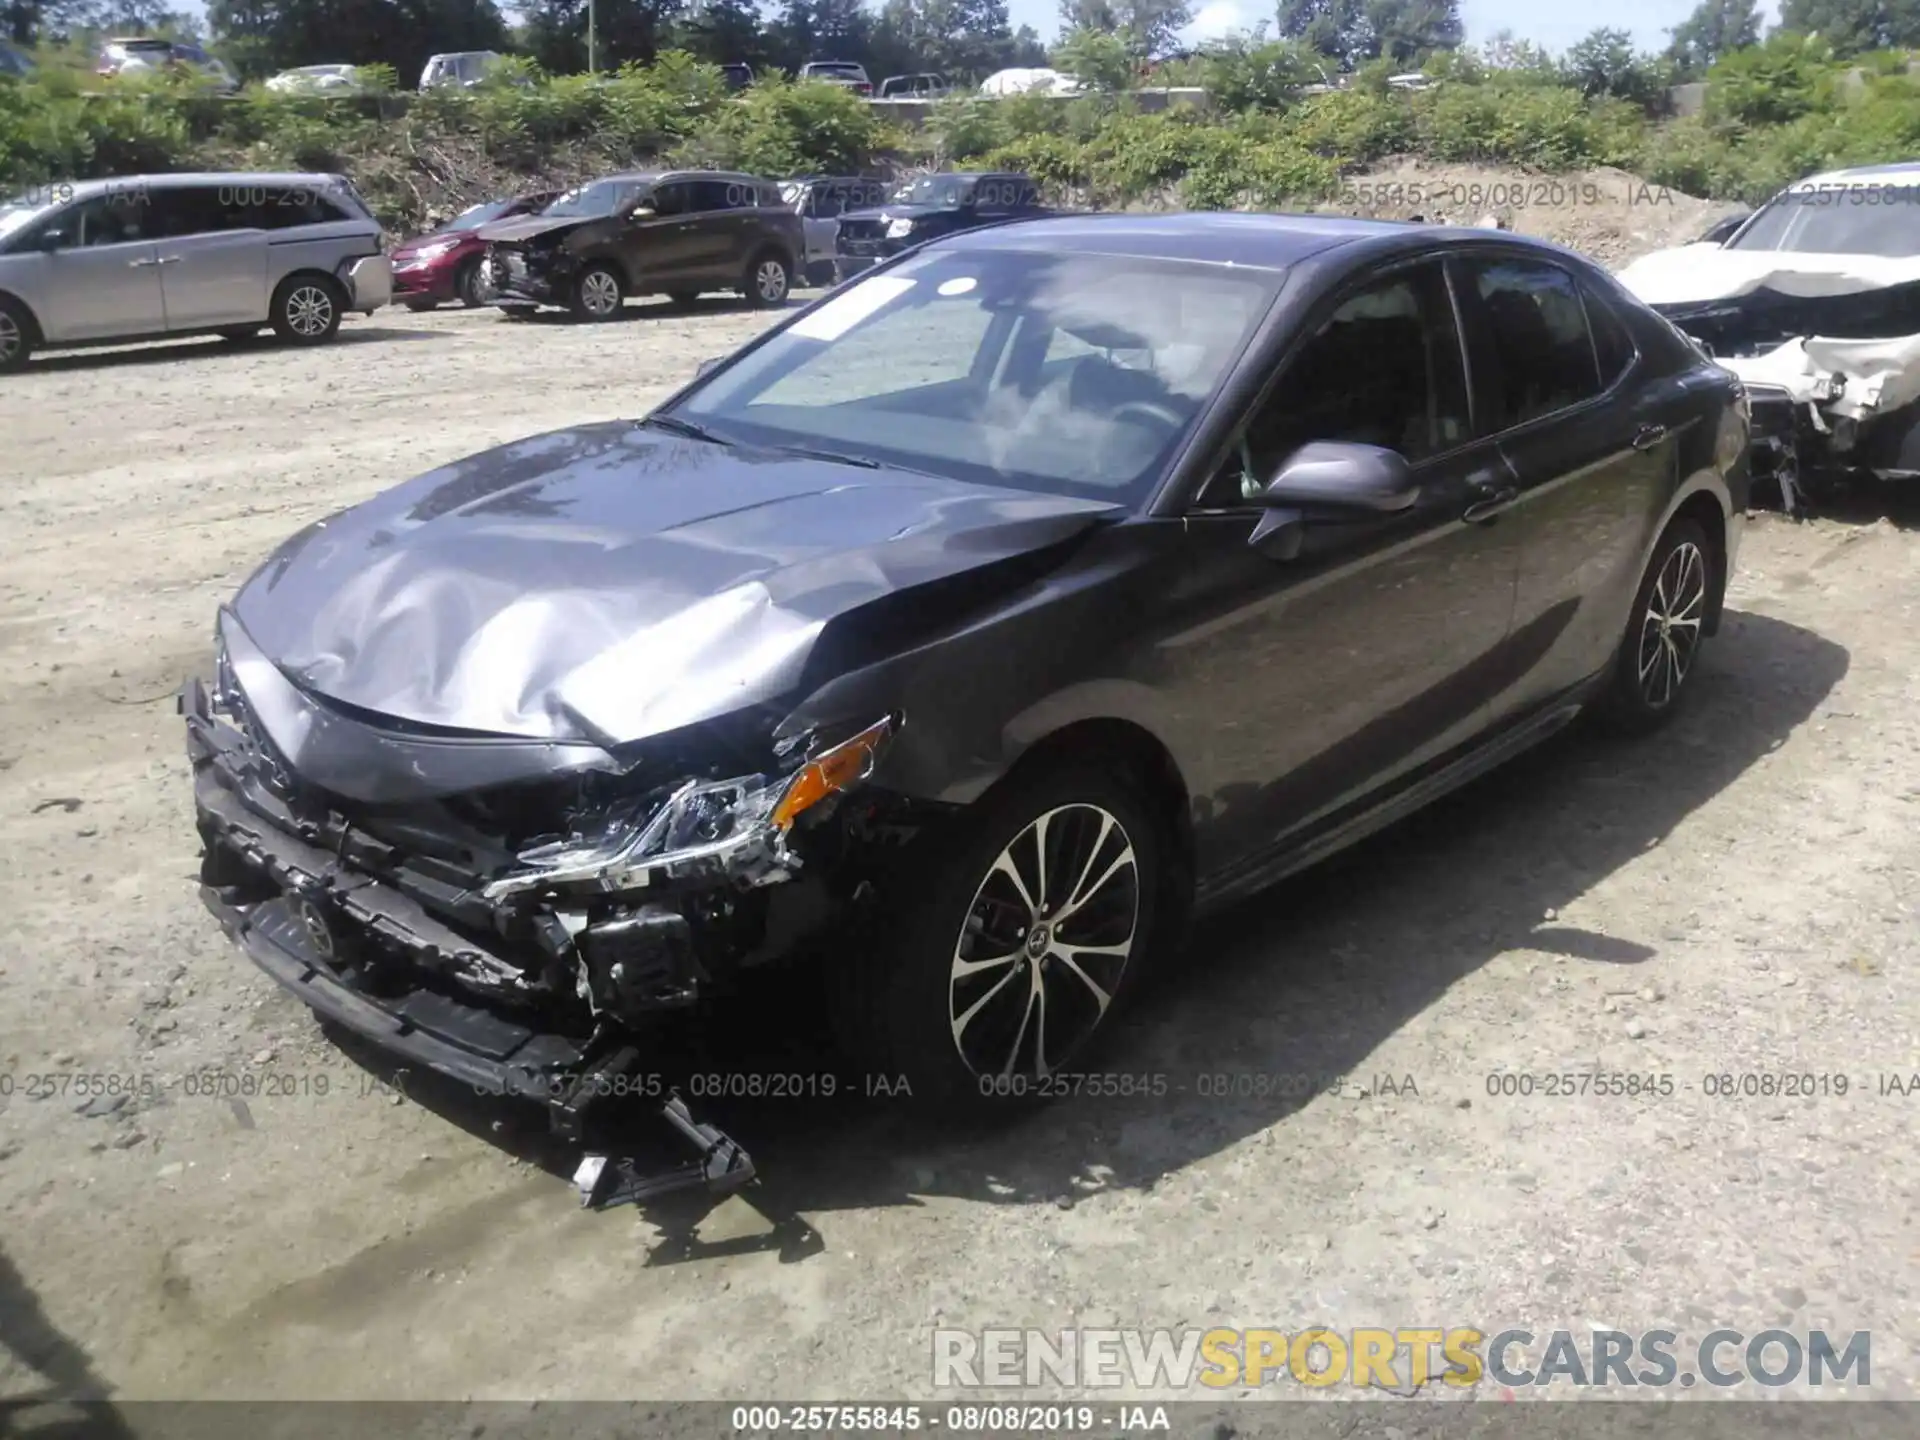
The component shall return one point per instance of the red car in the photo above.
(445, 264)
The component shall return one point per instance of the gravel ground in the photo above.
(1734, 897)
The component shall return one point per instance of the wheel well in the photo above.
(1136, 750)
(34, 333)
(1704, 510)
(777, 251)
(333, 281)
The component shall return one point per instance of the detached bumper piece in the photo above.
(313, 925)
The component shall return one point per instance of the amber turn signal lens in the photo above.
(845, 765)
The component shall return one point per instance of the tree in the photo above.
(275, 34)
(955, 37)
(1716, 28)
(1853, 27)
(623, 31)
(1408, 31)
(1148, 27)
(720, 32)
(1605, 63)
(1337, 29)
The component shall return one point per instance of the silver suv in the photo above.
(97, 262)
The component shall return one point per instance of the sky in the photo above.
(1554, 26)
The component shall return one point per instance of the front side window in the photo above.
(1384, 369)
(599, 199)
(1070, 374)
(1542, 351)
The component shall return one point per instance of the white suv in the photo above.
(98, 262)
(463, 69)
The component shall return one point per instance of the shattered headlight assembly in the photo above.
(900, 229)
(725, 828)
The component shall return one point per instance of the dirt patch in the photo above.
(262, 1216)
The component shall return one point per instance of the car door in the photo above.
(1592, 451)
(212, 250)
(820, 217)
(662, 250)
(1326, 678)
(100, 278)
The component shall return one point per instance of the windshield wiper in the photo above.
(677, 426)
(833, 456)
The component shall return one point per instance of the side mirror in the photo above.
(1336, 475)
(1330, 476)
(641, 212)
(707, 366)
(58, 237)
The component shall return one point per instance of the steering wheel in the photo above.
(1119, 453)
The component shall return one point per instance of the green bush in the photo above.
(1774, 83)
(781, 128)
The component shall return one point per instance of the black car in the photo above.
(962, 636)
(678, 233)
(933, 205)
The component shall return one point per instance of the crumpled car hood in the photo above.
(1697, 274)
(528, 227)
(608, 583)
(1874, 376)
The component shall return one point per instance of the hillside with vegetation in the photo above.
(1273, 132)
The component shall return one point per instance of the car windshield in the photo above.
(16, 212)
(1069, 374)
(1853, 220)
(602, 197)
(479, 215)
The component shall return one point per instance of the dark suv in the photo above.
(678, 233)
(933, 205)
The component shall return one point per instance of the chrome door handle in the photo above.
(1490, 504)
(1648, 436)
(140, 264)
(168, 260)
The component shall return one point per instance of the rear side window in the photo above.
(1536, 328)
(1613, 344)
(275, 207)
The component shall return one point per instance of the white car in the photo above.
(1039, 81)
(460, 69)
(1814, 302)
(308, 79)
(146, 55)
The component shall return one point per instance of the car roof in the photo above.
(1256, 241)
(1864, 174)
(656, 176)
(84, 188)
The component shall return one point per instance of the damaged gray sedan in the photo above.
(960, 636)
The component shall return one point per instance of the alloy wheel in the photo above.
(771, 279)
(309, 311)
(1046, 941)
(599, 293)
(1670, 630)
(11, 339)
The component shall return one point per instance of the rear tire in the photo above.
(17, 335)
(995, 970)
(307, 309)
(1661, 648)
(420, 307)
(598, 294)
(768, 279)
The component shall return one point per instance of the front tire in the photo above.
(307, 309)
(1019, 937)
(767, 281)
(597, 294)
(1667, 624)
(16, 336)
(421, 307)
(472, 283)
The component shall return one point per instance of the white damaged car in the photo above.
(1814, 302)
